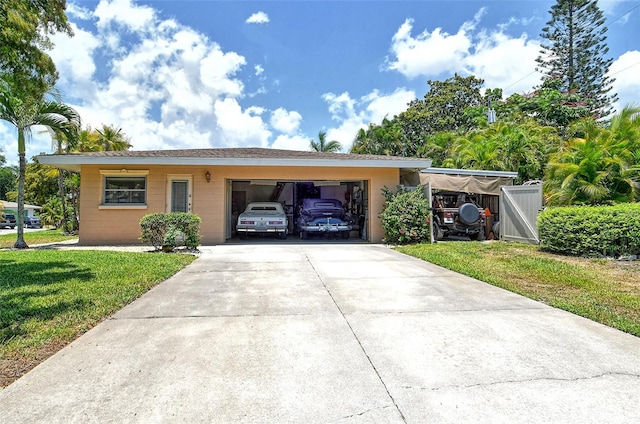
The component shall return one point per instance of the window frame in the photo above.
(124, 173)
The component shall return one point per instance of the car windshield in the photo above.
(263, 208)
(321, 203)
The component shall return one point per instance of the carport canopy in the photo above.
(467, 180)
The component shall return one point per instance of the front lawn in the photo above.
(50, 297)
(605, 291)
(35, 237)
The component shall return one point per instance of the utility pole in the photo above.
(491, 114)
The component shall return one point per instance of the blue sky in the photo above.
(193, 74)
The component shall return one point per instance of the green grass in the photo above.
(50, 297)
(604, 291)
(35, 237)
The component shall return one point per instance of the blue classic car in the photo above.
(323, 216)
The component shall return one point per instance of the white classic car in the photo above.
(263, 218)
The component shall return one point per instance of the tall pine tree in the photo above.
(575, 53)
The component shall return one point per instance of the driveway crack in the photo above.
(364, 351)
(528, 380)
(359, 414)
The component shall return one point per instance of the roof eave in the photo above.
(75, 162)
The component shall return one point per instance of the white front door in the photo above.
(179, 193)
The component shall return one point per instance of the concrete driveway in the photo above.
(332, 333)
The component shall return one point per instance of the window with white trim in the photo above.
(129, 190)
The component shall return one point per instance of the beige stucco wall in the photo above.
(115, 225)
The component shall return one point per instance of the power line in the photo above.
(626, 13)
(624, 69)
(621, 70)
(521, 79)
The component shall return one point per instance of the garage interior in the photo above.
(352, 194)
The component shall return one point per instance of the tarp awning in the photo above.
(466, 183)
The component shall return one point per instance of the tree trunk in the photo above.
(62, 200)
(20, 243)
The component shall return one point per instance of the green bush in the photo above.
(406, 216)
(591, 230)
(169, 230)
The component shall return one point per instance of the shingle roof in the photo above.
(231, 156)
(241, 152)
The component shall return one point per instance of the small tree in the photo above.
(24, 114)
(406, 216)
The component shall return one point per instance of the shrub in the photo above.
(591, 230)
(169, 230)
(406, 216)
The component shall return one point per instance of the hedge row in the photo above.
(610, 231)
(168, 230)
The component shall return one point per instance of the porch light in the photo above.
(207, 176)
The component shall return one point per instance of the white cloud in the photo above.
(625, 71)
(354, 114)
(240, 128)
(39, 141)
(502, 60)
(77, 12)
(429, 53)
(258, 18)
(124, 13)
(610, 6)
(291, 142)
(512, 21)
(216, 68)
(340, 105)
(505, 62)
(380, 106)
(285, 122)
(164, 84)
(9, 145)
(70, 56)
(259, 70)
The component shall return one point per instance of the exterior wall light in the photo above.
(207, 176)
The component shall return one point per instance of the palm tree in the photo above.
(112, 139)
(323, 146)
(600, 164)
(28, 112)
(437, 147)
(477, 152)
(88, 140)
(577, 174)
(63, 143)
(624, 128)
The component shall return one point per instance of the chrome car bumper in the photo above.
(262, 229)
(325, 228)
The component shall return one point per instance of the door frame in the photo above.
(180, 177)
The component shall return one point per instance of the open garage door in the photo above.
(352, 196)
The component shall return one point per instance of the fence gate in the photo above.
(519, 207)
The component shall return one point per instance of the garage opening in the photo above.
(351, 195)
